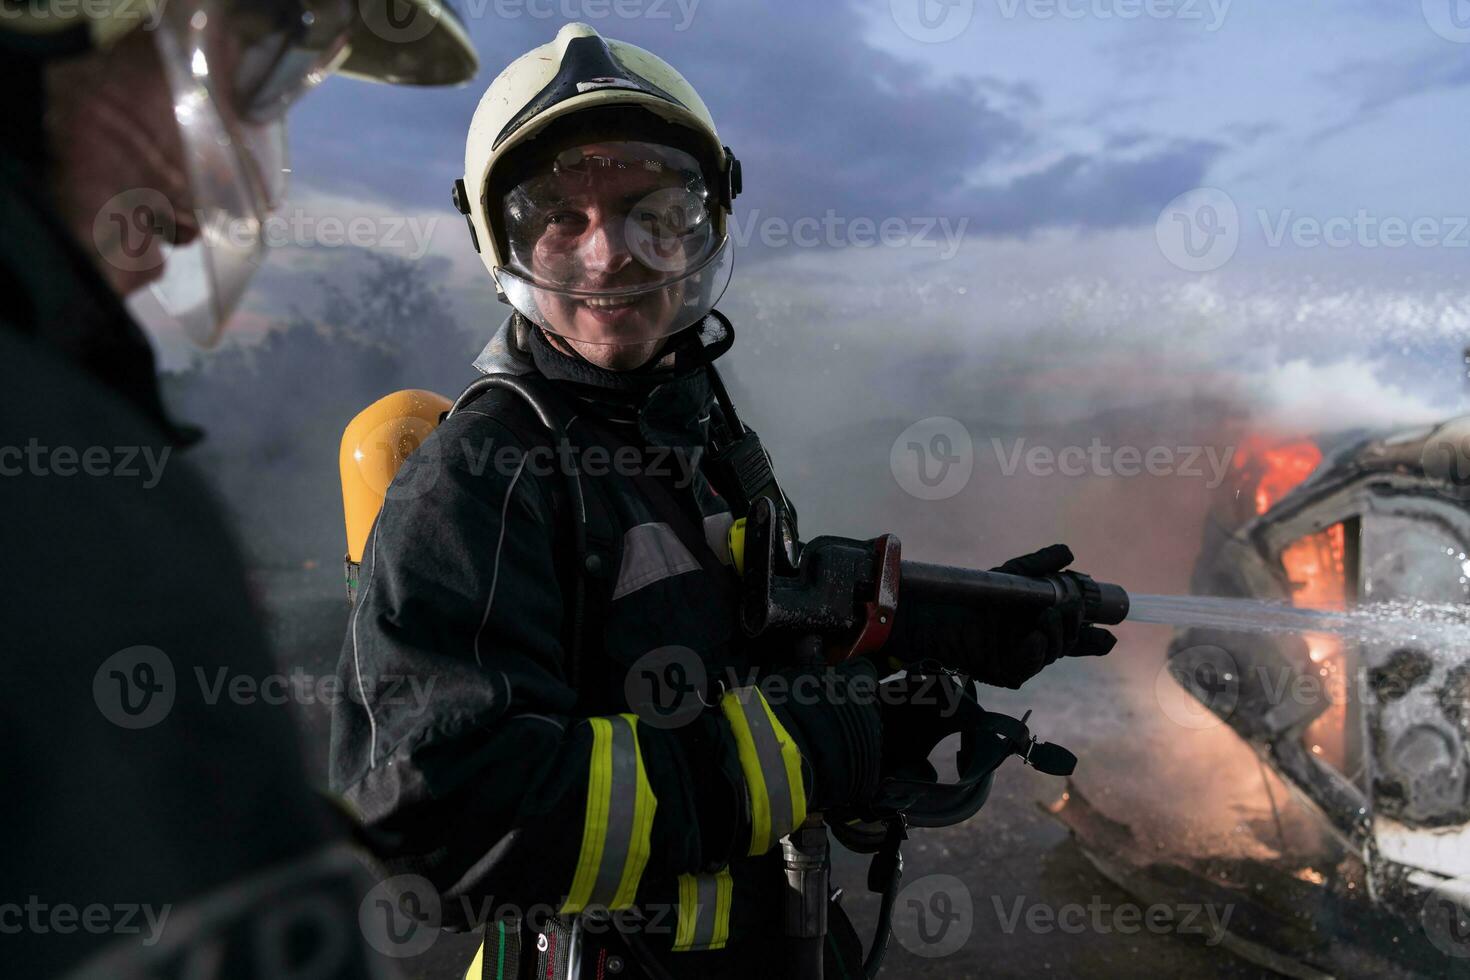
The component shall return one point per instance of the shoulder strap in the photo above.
(585, 551)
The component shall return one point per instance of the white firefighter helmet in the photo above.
(585, 119)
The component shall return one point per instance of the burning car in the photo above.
(1369, 736)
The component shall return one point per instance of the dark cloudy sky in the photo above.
(1051, 141)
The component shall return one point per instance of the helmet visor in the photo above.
(614, 242)
(234, 69)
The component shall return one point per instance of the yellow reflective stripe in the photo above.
(594, 829)
(477, 965)
(688, 913)
(771, 763)
(704, 911)
(791, 758)
(724, 896)
(755, 783)
(618, 828)
(641, 845)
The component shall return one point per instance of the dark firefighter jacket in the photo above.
(508, 789)
(150, 828)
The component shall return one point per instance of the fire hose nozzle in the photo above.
(1103, 603)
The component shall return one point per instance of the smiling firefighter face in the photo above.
(606, 242)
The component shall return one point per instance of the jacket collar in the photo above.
(669, 401)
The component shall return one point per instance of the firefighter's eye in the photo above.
(563, 220)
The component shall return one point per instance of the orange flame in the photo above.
(1276, 469)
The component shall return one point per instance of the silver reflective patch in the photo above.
(651, 553)
(717, 535)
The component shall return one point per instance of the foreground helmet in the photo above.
(230, 101)
(597, 191)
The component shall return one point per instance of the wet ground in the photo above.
(1028, 900)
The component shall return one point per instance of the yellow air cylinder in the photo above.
(374, 445)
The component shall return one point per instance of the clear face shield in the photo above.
(234, 68)
(614, 243)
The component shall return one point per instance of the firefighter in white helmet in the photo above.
(597, 783)
(178, 811)
(598, 193)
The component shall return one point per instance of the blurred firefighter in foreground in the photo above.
(155, 827)
(597, 192)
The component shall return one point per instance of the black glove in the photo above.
(998, 645)
(920, 711)
(851, 735)
(834, 717)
